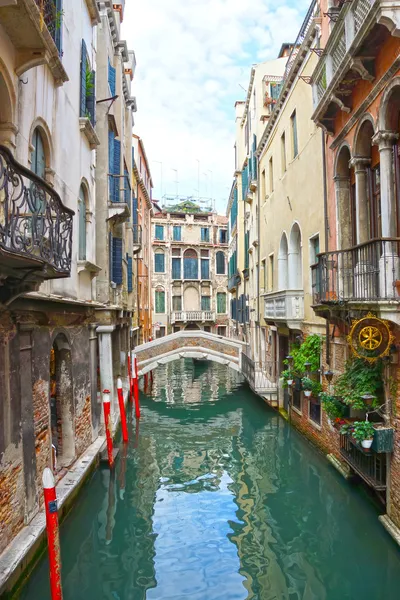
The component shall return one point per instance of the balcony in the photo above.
(136, 238)
(367, 273)
(368, 465)
(34, 28)
(350, 54)
(119, 206)
(233, 281)
(285, 306)
(35, 227)
(193, 316)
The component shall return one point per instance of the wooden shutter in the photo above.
(205, 268)
(117, 260)
(117, 170)
(91, 101)
(82, 111)
(111, 138)
(130, 273)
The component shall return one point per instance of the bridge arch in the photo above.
(189, 344)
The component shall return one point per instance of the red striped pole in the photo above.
(122, 410)
(136, 388)
(53, 537)
(107, 425)
(130, 377)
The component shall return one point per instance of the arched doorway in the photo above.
(62, 410)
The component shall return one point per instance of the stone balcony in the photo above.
(193, 316)
(349, 56)
(34, 28)
(285, 306)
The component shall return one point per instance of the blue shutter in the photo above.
(91, 101)
(111, 78)
(111, 138)
(117, 261)
(127, 189)
(205, 268)
(130, 273)
(159, 263)
(220, 263)
(116, 170)
(134, 211)
(57, 35)
(176, 268)
(82, 112)
(191, 268)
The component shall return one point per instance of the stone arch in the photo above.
(45, 133)
(7, 107)
(295, 263)
(62, 408)
(366, 209)
(283, 263)
(345, 202)
(390, 107)
(82, 215)
(364, 133)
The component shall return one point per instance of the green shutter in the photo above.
(83, 79)
(221, 302)
(160, 302)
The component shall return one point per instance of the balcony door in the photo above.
(191, 301)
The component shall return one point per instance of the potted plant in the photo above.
(333, 408)
(307, 385)
(363, 432)
(287, 377)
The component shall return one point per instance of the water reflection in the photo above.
(217, 498)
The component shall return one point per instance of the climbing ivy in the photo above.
(358, 379)
(307, 352)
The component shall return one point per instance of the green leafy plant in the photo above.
(307, 352)
(363, 430)
(310, 385)
(358, 379)
(332, 406)
(286, 375)
(89, 83)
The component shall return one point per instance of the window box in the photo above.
(383, 439)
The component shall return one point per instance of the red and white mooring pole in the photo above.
(130, 377)
(122, 410)
(135, 385)
(107, 425)
(53, 536)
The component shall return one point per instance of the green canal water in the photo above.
(216, 497)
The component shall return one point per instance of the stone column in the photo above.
(104, 333)
(341, 280)
(360, 170)
(389, 262)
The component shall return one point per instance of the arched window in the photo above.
(38, 154)
(190, 265)
(220, 263)
(82, 223)
(283, 264)
(295, 259)
(160, 300)
(159, 261)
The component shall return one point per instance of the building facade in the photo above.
(114, 224)
(189, 271)
(48, 407)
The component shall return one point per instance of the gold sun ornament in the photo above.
(370, 338)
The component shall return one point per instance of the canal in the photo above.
(216, 497)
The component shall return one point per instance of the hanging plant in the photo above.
(332, 406)
(360, 378)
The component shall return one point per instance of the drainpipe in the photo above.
(326, 245)
(258, 262)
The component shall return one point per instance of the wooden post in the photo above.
(136, 387)
(122, 410)
(130, 378)
(108, 426)
(53, 536)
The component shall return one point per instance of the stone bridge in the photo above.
(189, 344)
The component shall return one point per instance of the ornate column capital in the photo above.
(360, 163)
(385, 139)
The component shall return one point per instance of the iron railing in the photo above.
(137, 234)
(261, 375)
(51, 16)
(367, 464)
(33, 220)
(304, 29)
(365, 273)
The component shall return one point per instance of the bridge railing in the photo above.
(260, 374)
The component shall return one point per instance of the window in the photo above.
(190, 265)
(263, 274)
(177, 303)
(220, 260)
(159, 235)
(223, 236)
(206, 303)
(315, 412)
(160, 301)
(263, 187)
(111, 78)
(159, 262)
(293, 123)
(271, 273)
(221, 331)
(283, 152)
(129, 261)
(176, 268)
(116, 259)
(205, 265)
(160, 333)
(205, 234)
(82, 224)
(221, 303)
(177, 233)
(114, 165)
(271, 175)
(87, 85)
(38, 165)
(314, 250)
(296, 397)
(315, 272)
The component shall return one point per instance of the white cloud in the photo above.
(191, 57)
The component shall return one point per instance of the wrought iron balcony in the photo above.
(35, 226)
(345, 61)
(194, 316)
(34, 28)
(369, 273)
(285, 305)
(369, 465)
(233, 281)
(137, 237)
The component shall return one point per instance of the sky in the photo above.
(192, 58)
